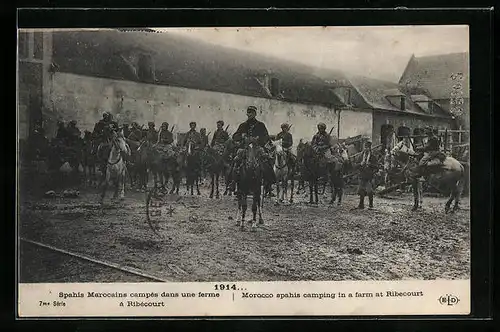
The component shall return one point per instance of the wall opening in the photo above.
(38, 45)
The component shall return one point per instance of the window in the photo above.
(23, 44)
(402, 103)
(38, 45)
(274, 87)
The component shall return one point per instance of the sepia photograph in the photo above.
(249, 154)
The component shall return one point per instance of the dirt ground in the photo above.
(201, 241)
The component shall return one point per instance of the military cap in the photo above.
(321, 125)
(192, 123)
(151, 123)
(285, 125)
(252, 109)
(221, 122)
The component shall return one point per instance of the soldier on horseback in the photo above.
(368, 169)
(253, 131)
(62, 134)
(152, 133)
(432, 155)
(193, 137)
(204, 138)
(135, 133)
(220, 137)
(165, 140)
(287, 142)
(101, 128)
(73, 133)
(321, 141)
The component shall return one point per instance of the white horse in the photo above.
(281, 171)
(115, 167)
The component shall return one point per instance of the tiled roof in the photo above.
(433, 75)
(184, 62)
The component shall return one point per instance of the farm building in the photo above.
(445, 80)
(148, 76)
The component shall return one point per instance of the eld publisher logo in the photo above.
(449, 299)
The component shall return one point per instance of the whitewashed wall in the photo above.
(84, 98)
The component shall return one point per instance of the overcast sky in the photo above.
(378, 52)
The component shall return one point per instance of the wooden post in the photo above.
(460, 135)
(446, 140)
(338, 124)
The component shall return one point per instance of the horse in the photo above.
(170, 167)
(249, 180)
(215, 167)
(89, 158)
(449, 173)
(138, 164)
(115, 147)
(336, 172)
(192, 168)
(230, 150)
(283, 172)
(310, 171)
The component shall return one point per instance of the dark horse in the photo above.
(215, 166)
(450, 173)
(249, 180)
(192, 168)
(314, 167)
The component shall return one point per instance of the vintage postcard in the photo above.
(243, 171)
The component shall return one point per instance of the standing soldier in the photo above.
(220, 135)
(193, 136)
(152, 133)
(286, 142)
(368, 169)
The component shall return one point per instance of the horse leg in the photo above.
(316, 192)
(255, 201)
(122, 185)
(104, 186)
(198, 183)
(458, 193)
(292, 184)
(416, 194)
(285, 188)
(243, 198)
(217, 195)
(311, 185)
(277, 191)
(212, 185)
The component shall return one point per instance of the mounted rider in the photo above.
(101, 128)
(322, 143)
(219, 138)
(193, 137)
(369, 167)
(252, 131)
(73, 133)
(165, 141)
(432, 155)
(151, 133)
(136, 133)
(204, 138)
(286, 142)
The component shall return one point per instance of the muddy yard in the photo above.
(201, 241)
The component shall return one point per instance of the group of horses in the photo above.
(121, 160)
